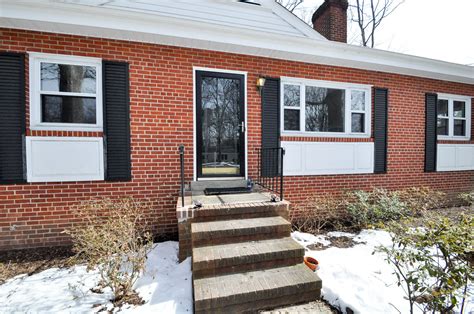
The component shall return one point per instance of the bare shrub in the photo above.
(420, 199)
(317, 213)
(114, 240)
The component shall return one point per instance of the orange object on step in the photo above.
(312, 263)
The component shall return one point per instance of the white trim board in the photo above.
(64, 159)
(327, 158)
(104, 22)
(455, 157)
(196, 68)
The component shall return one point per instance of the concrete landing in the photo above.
(232, 198)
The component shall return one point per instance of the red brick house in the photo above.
(96, 96)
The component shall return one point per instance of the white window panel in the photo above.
(326, 158)
(62, 159)
(455, 157)
(65, 93)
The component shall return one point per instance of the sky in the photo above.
(436, 29)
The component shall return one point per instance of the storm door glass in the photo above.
(221, 125)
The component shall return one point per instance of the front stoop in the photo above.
(244, 260)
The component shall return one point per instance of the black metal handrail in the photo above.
(270, 169)
(181, 159)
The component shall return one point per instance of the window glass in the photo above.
(459, 127)
(68, 78)
(453, 117)
(357, 123)
(442, 107)
(291, 95)
(358, 100)
(324, 109)
(67, 109)
(442, 127)
(459, 109)
(292, 120)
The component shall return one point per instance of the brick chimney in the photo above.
(330, 20)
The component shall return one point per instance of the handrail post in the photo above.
(181, 158)
(282, 151)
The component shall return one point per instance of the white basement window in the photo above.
(65, 93)
(320, 108)
(454, 117)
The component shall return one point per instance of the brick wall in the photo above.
(161, 91)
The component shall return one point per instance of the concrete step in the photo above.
(241, 210)
(202, 185)
(238, 230)
(257, 290)
(239, 257)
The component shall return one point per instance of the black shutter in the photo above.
(271, 113)
(12, 117)
(270, 127)
(116, 121)
(431, 102)
(380, 129)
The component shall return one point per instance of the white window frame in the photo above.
(451, 98)
(348, 87)
(35, 60)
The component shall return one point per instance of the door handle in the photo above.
(242, 127)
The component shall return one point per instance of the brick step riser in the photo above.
(299, 294)
(223, 238)
(220, 217)
(204, 215)
(239, 267)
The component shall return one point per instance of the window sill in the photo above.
(326, 134)
(454, 138)
(66, 127)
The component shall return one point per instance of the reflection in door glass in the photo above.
(221, 126)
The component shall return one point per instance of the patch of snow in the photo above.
(338, 234)
(166, 287)
(306, 239)
(356, 278)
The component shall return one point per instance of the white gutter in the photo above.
(151, 28)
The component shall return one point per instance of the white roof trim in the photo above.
(295, 21)
(108, 23)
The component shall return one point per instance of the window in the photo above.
(325, 108)
(65, 93)
(454, 117)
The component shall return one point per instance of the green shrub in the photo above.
(467, 197)
(434, 264)
(374, 208)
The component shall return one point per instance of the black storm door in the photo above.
(220, 124)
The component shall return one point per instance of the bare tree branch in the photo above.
(368, 17)
(291, 5)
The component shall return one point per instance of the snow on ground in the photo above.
(166, 287)
(355, 278)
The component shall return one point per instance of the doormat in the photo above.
(219, 191)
